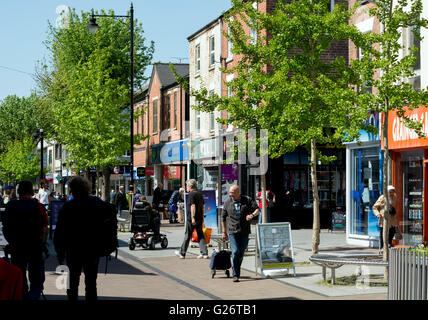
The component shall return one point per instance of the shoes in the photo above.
(235, 279)
(178, 254)
(203, 256)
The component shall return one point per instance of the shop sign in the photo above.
(174, 151)
(401, 137)
(150, 171)
(171, 172)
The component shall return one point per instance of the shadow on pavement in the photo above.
(114, 266)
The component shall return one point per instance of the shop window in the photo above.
(365, 191)
(412, 173)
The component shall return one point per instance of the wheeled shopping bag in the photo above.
(220, 260)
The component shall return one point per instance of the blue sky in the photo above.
(24, 24)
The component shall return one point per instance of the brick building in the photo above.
(166, 109)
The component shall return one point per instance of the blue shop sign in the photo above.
(174, 151)
(368, 136)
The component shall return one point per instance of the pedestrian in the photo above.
(238, 211)
(120, 201)
(112, 196)
(176, 197)
(379, 211)
(195, 219)
(25, 223)
(270, 201)
(137, 195)
(157, 195)
(43, 196)
(74, 238)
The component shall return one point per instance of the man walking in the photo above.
(43, 196)
(238, 211)
(25, 223)
(195, 219)
(75, 238)
(120, 201)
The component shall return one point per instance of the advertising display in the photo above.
(210, 220)
(275, 247)
(210, 209)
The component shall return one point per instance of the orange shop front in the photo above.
(409, 175)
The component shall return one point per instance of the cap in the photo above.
(391, 188)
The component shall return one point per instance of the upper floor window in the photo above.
(155, 116)
(198, 58)
(229, 45)
(212, 51)
(175, 110)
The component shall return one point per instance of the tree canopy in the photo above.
(86, 86)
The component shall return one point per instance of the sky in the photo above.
(24, 25)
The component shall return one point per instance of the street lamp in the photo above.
(39, 134)
(93, 27)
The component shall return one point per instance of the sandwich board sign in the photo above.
(274, 247)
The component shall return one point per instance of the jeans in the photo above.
(261, 215)
(238, 244)
(90, 268)
(172, 216)
(188, 236)
(34, 263)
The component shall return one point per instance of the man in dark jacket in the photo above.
(120, 201)
(75, 238)
(25, 224)
(238, 211)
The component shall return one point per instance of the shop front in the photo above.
(364, 163)
(409, 175)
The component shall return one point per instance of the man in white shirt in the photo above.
(43, 196)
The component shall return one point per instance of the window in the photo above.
(58, 152)
(198, 122)
(414, 42)
(253, 36)
(229, 45)
(175, 110)
(198, 58)
(331, 6)
(364, 86)
(212, 51)
(50, 157)
(212, 117)
(155, 116)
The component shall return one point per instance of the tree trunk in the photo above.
(105, 191)
(316, 201)
(263, 195)
(386, 180)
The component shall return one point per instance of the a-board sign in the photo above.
(338, 221)
(55, 207)
(275, 247)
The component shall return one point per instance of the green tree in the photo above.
(20, 118)
(391, 92)
(86, 86)
(285, 85)
(18, 161)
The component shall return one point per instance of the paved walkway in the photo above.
(158, 274)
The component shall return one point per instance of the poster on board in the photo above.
(210, 208)
(210, 220)
(275, 247)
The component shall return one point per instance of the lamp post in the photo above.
(39, 134)
(93, 27)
